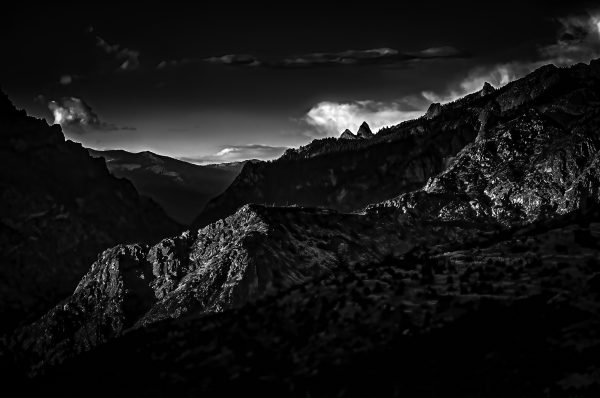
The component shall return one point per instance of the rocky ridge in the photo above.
(520, 309)
(60, 207)
(527, 165)
(348, 175)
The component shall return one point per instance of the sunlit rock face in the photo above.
(60, 207)
(512, 302)
(535, 156)
(253, 253)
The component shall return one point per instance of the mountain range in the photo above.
(181, 188)
(353, 267)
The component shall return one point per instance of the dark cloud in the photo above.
(128, 59)
(377, 56)
(65, 80)
(235, 59)
(76, 116)
(234, 153)
(173, 63)
(578, 40)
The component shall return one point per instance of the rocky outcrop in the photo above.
(526, 168)
(60, 207)
(364, 131)
(433, 111)
(347, 135)
(487, 89)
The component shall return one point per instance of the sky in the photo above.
(208, 84)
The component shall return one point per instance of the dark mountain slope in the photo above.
(518, 315)
(256, 251)
(60, 207)
(534, 162)
(181, 188)
(488, 195)
(349, 174)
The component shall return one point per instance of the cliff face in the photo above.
(60, 207)
(519, 309)
(255, 252)
(534, 161)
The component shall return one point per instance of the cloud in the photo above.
(376, 56)
(578, 40)
(76, 116)
(331, 118)
(235, 153)
(66, 80)
(173, 63)
(235, 59)
(128, 59)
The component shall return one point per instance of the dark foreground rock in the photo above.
(60, 208)
(517, 315)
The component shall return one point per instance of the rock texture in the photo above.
(60, 207)
(433, 111)
(255, 252)
(347, 135)
(364, 131)
(519, 313)
(532, 162)
(181, 188)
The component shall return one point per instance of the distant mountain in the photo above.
(512, 220)
(364, 131)
(235, 167)
(60, 208)
(348, 174)
(181, 188)
(348, 135)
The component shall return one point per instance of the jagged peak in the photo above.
(364, 131)
(434, 110)
(348, 135)
(487, 89)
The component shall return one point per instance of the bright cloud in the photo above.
(236, 153)
(76, 116)
(331, 118)
(578, 41)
